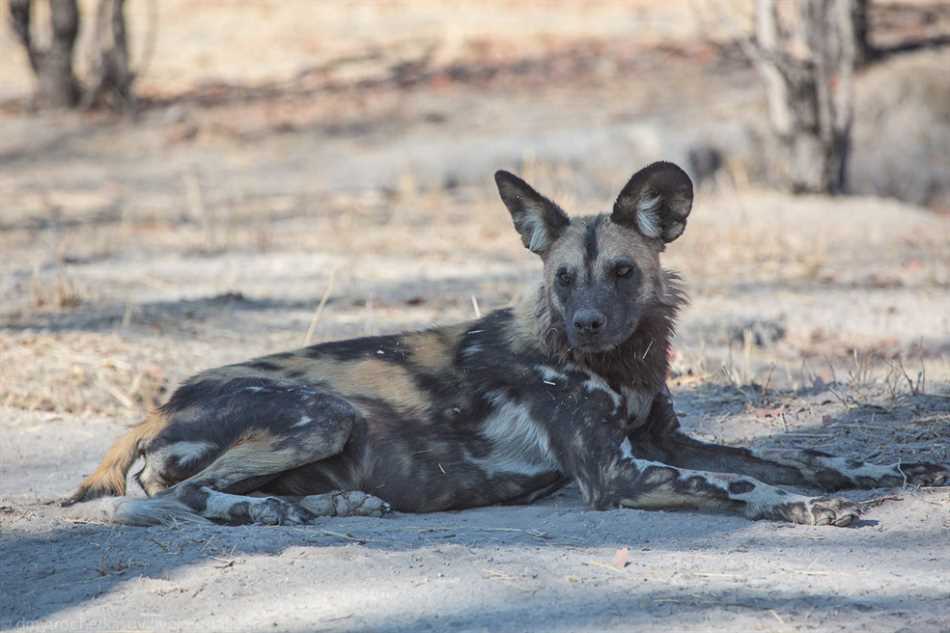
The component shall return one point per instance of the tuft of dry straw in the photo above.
(319, 311)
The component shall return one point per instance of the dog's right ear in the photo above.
(538, 220)
(656, 201)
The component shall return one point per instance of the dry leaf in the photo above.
(621, 558)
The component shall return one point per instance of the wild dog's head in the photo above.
(602, 273)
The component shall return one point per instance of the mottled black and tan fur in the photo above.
(567, 386)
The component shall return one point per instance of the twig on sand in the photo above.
(225, 562)
(690, 598)
(538, 534)
(124, 399)
(347, 537)
(498, 575)
(872, 503)
(597, 563)
(777, 617)
(82, 521)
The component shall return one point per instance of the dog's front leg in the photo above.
(661, 440)
(619, 479)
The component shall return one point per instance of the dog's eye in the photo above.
(565, 278)
(623, 271)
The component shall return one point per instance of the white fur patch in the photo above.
(839, 464)
(643, 464)
(584, 488)
(520, 445)
(638, 403)
(761, 497)
(596, 383)
(551, 376)
(184, 452)
(303, 421)
(648, 216)
(218, 505)
(536, 233)
(626, 448)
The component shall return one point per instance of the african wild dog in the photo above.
(569, 385)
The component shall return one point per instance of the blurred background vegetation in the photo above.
(850, 103)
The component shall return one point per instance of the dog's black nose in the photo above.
(589, 321)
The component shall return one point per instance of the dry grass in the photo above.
(80, 373)
(59, 292)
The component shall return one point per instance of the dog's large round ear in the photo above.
(538, 220)
(656, 201)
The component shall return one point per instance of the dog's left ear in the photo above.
(656, 201)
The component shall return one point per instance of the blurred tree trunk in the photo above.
(111, 75)
(56, 85)
(863, 51)
(807, 62)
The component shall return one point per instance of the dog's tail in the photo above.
(162, 509)
(109, 478)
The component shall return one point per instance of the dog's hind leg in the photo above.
(662, 440)
(190, 501)
(288, 426)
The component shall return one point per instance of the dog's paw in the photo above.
(815, 511)
(923, 474)
(833, 511)
(274, 511)
(345, 504)
(356, 503)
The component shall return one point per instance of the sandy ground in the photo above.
(547, 567)
(208, 231)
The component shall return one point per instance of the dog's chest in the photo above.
(637, 403)
(628, 406)
(523, 430)
(520, 443)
